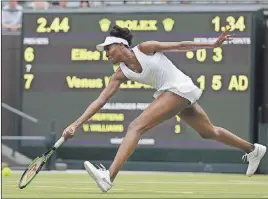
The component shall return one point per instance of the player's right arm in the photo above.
(151, 47)
(117, 78)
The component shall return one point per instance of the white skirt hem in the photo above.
(192, 95)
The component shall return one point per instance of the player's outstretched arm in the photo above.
(113, 86)
(150, 47)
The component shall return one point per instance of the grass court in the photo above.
(138, 185)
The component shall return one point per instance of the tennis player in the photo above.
(176, 95)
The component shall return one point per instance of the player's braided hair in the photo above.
(123, 33)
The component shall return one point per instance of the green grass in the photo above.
(139, 185)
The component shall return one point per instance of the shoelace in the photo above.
(245, 157)
(100, 167)
(249, 155)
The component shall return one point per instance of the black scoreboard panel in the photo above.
(63, 72)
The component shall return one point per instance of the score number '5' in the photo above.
(216, 82)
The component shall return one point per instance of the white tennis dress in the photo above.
(160, 73)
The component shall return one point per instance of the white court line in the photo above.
(207, 193)
(121, 172)
(55, 172)
(245, 181)
(81, 171)
(60, 187)
(193, 182)
(162, 182)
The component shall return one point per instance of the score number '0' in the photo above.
(201, 55)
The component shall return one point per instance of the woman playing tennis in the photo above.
(176, 95)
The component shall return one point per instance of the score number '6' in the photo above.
(29, 54)
(28, 57)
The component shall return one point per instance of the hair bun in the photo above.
(123, 33)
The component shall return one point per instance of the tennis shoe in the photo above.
(100, 175)
(254, 158)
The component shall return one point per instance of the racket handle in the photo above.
(59, 142)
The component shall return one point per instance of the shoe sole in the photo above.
(261, 156)
(89, 167)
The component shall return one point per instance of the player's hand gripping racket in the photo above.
(37, 164)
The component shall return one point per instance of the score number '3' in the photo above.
(232, 23)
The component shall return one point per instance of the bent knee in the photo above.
(138, 127)
(211, 133)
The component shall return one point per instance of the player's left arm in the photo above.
(150, 47)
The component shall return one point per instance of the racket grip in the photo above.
(59, 142)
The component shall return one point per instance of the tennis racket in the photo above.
(37, 164)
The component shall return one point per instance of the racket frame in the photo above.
(45, 157)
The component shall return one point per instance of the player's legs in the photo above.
(164, 107)
(196, 117)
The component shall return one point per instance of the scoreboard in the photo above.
(63, 73)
